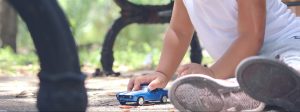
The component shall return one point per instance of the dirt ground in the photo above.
(19, 94)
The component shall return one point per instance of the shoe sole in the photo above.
(215, 87)
(270, 81)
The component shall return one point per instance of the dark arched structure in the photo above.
(140, 14)
(61, 81)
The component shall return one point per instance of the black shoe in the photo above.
(270, 81)
(62, 92)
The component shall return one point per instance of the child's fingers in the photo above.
(186, 72)
(182, 68)
(130, 84)
(155, 84)
(137, 83)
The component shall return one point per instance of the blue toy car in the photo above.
(142, 96)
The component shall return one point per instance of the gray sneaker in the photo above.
(203, 93)
(270, 81)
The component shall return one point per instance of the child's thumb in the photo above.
(154, 84)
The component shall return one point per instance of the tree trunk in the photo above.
(8, 25)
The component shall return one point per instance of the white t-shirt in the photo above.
(216, 23)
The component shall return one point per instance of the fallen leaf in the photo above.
(125, 110)
(148, 104)
(25, 94)
(126, 106)
(111, 93)
(172, 110)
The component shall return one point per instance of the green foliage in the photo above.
(90, 22)
(8, 57)
(136, 47)
(12, 64)
(150, 2)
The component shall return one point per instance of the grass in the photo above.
(13, 64)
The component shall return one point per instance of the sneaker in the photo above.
(203, 93)
(270, 81)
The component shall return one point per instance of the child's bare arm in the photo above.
(177, 40)
(251, 21)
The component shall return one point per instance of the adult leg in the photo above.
(61, 81)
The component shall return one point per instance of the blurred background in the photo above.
(137, 46)
(137, 49)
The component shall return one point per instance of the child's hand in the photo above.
(155, 80)
(194, 68)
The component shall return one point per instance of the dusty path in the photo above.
(19, 93)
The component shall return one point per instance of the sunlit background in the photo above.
(137, 46)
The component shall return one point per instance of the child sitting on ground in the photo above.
(232, 32)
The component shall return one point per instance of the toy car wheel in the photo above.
(140, 101)
(164, 99)
(123, 103)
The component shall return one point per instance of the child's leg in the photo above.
(203, 93)
(275, 82)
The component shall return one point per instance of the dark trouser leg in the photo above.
(196, 51)
(61, 81)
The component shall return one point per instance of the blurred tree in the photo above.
(8, 25)
(89, 21)
(131, 13)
